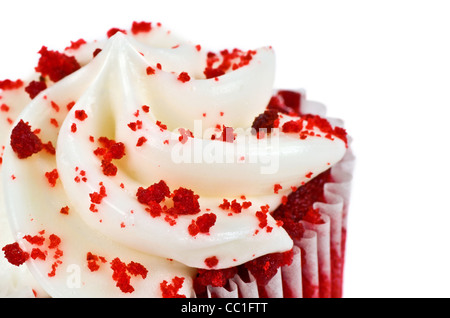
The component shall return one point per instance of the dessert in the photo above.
(143, 165)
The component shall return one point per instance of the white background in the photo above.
(382, 66)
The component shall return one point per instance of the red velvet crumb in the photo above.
(52, 176)
(141, 27)
(35, 87)
(54, 241)
(184, 77)
(97, 197)
(154, 193)
(24, 141)
(171, 290)
(64, 210)
(150, 70)
(80, 115)
(292, 126)
(75, 45)
(202, 224)
(264, 122)
(211, 261)
(56, 65)
(230, 61)
(122, 272)
(14, 254)
(113, 31)
(10, 85)
(110, 150)
(93, 261)
(142, 140)
(185, 201)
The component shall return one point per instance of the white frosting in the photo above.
(111, 89)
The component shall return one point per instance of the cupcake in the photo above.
(144, 165)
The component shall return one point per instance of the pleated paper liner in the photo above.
(318, 263)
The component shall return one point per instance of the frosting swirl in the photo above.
(141, 112)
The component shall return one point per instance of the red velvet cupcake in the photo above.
(143, 165)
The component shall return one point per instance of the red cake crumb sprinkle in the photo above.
(265, 122)
(4, 108)
(52, 176)
(24, 142)
(142, 140)
(225, 205)
(93, 261)
(14, 254)
(202, 224)
(145, 108)
(150, 70)
(136, 269)
(96, 51)
(108, 168)
(154, 209)
(292, 126)
(113, 31)
(54, 106)
(75, 45)
(110, 150)
(54, 122)
(135, 125)
(246, 204)
(262, 216)
(161, 125)
(141, 27)
(54, 241)
(171, 290)
(35, 240)
(121, 276)
(185, 201)
(230, 61)
(184, 77)
(184, 135)
(235, 207)
(64, 210)
(276, 188)
(73, 128)
(211, 261)
(324, 125)
(227, 134)
(37, 253)
(35, 87)
(80, 115)
(265, 267)
(7, 84)
(56, 65)
(97, 197)
(70, 105)
(154, 193)
(49, 148)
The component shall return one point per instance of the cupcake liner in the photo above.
(317, 267)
